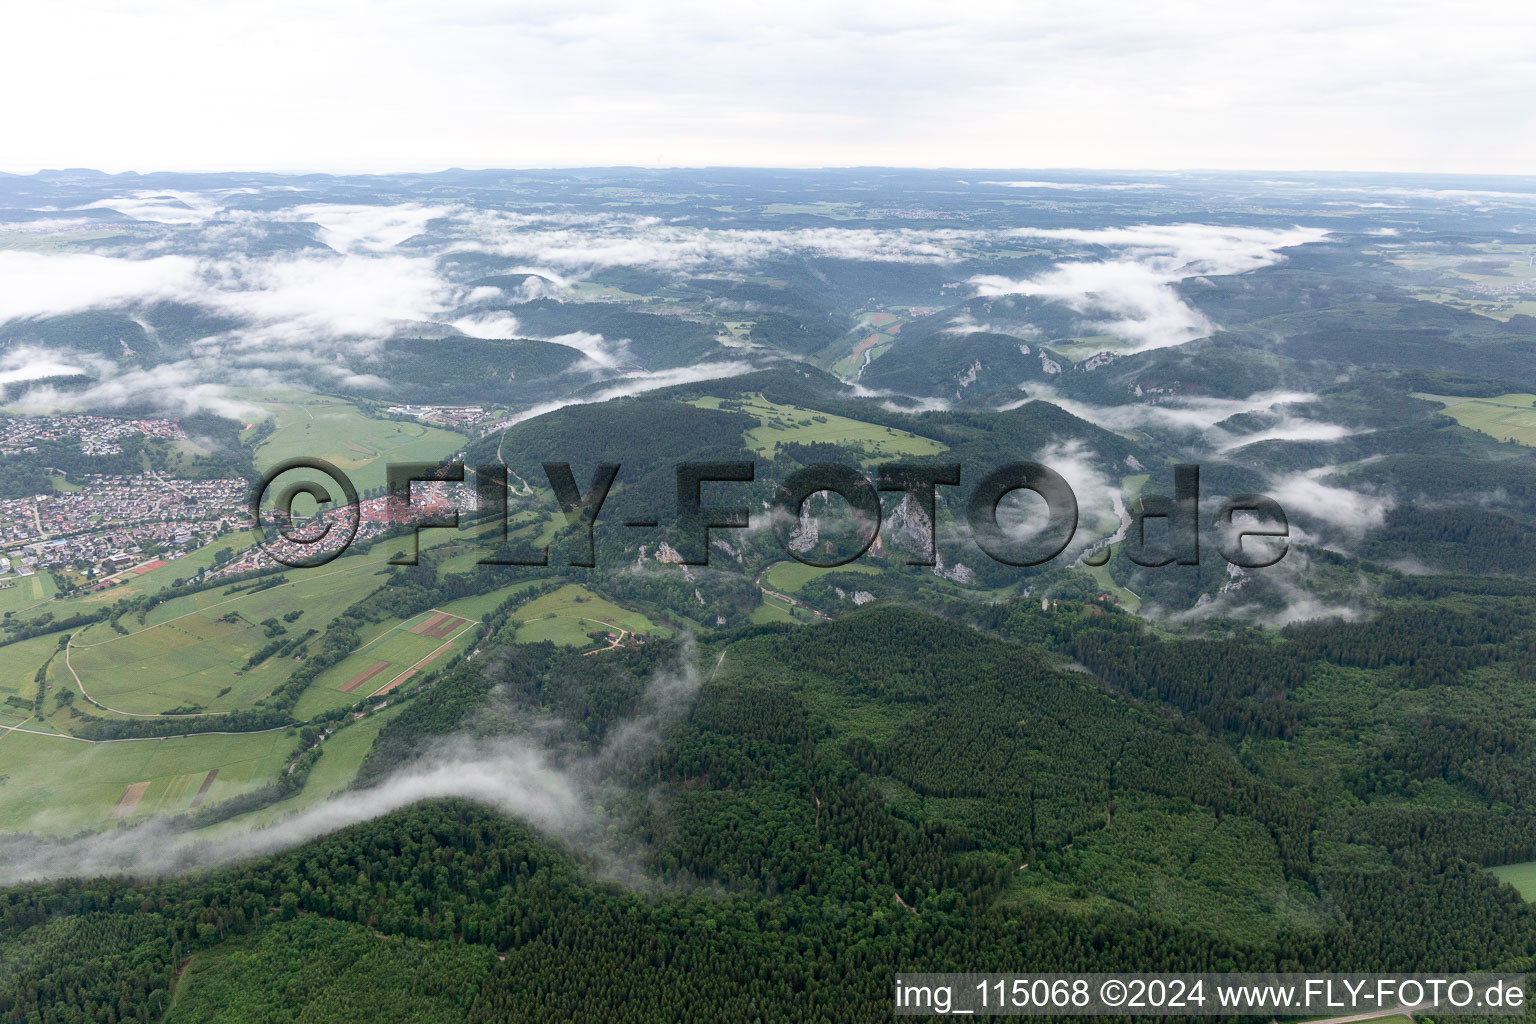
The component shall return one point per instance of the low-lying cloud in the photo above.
(564, 794)
(1133, 296)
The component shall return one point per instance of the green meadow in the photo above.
(790, 577)
(1522, 876)
(774, 610)
(131, 585)
(320, 426)
(22, 594)
(195, 650)
(19, 664)
(1507, 417)
(342, 755)
(567, 615)
(789, 424)
(392, 645)
(56, 785)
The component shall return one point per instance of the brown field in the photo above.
(202, 790)
(404, 677)
(867, 343)
(363, 677)
(426, 628)
(148, 567)
(394, 684)
(129, 800)
(453, 623)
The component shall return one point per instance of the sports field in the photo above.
(1507, 417)
(786, 424)
(319, 426)
(55, 785)
(1522, 876)
(567, 615)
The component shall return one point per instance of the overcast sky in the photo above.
(1383, 85)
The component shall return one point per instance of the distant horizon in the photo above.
(335, 172)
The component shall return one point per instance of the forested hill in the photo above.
(889, 791)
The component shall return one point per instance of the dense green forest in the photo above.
(838, 802)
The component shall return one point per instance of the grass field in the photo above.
(148, 583)
(790, 577)
(1101, 577)
(25, 593)
(570, 613)
(195, 649)
(19, 664)
(774, 610)
(1507, 417)
(783, 424)
(1522, 876)
(334, 429)
(51, 785)
(1485, 281)
(343, 755)
(392, 645)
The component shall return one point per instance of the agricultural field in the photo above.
(196, 650)
(56, 785)
(874, 333)
(791, 577)
(343, 755)
(134, 583)
(22, 594)
(394, 655)
(774, 610)
(784, 424)
(481, 605)
(567, 615)
(1507, 417)
(319, 426)
(1131, 602)
(1522, 876)
(1493, 279)
(19, 664)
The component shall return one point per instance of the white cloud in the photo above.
(356, 228)
(167, 207)
(488, 325)
(27, 362)
(1107, 83)
(625, 240)
(180, 388)
(1133, 298)
(593, 346)
(639, 383)
(1175, 412)
(285, 301)
(965, 323)
(1353, 512)
(38, 284)
(308, 298)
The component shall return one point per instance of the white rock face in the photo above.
(958, 574)
(909, 526)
